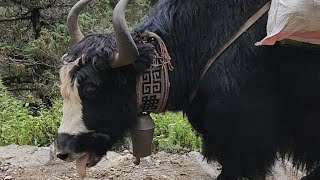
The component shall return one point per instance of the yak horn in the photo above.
(72, 21)
(127, 49)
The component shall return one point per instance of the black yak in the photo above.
(253, 104)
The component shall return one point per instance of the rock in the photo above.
(112, 169)
(25, 156)
(111, 160)
(165, 177)
(146, 160)
(148, 178)
(126, 151)
(7, 177)
(283, 170)
(201, 160)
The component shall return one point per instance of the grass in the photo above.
(18, 125)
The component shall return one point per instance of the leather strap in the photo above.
(245, 27)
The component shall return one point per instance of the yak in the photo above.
(253, 105)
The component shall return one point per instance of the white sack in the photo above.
(293, 19)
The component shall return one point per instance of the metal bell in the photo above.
(142, 136)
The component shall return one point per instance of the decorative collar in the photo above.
(153, 85)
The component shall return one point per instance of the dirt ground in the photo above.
(119, 166)
(162, 166)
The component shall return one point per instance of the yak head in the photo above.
(98, 86)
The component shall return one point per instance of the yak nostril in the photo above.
(63, 156)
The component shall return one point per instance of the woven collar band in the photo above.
(153, 85)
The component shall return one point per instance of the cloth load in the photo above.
(293, 19)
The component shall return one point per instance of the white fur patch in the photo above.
(72, 122)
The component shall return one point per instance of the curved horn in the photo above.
(127, 49)
(72, 21)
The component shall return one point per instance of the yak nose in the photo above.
(61, 152)
(63, 156)
(61, 142)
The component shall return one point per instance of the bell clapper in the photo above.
(137, 161)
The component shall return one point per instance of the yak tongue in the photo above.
(81, 164)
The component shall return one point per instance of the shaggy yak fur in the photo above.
(253, 104)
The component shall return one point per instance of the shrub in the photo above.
(174, 133)
(19, 126)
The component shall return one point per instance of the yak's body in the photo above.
(252, 103)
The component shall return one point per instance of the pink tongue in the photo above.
(81, 164)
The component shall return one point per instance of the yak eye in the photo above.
(89, 90)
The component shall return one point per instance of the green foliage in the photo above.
(174, 133)
(19, 126)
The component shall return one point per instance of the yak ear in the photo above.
(146, 55)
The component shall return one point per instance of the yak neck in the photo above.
(194, 31)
